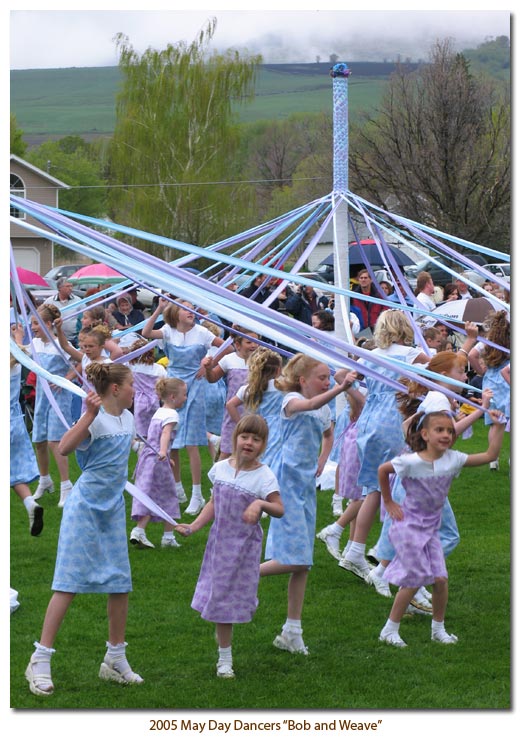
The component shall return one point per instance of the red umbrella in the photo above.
(30, 279)
(96, 274)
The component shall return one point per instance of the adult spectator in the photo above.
(63, 298)
(264, 291)
(369, 311)
(126, 314)
(303, 302)
(464, 293)
(450, 292)
(425, 290)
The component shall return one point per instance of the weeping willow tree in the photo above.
(176, 130)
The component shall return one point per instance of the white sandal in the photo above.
(40, 684)
(444, 637)
(107, 672)
(393, 639)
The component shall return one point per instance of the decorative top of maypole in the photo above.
(340, 70)
(340, 74)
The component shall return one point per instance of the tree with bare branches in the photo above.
(438, 150)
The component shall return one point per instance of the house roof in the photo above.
(39, 172)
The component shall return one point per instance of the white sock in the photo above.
(196, 489)
(67, 484)
(438, 626)
(357, 551)
(168, 534)
(336, 529)
(45, 479)
(391, 627)
(117, 655)
(347, 547)
(379, 571)
(43, 655)
(179, 487)
(295, 626)
(224, 654)
(30, 503)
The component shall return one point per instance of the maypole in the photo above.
(340, 74)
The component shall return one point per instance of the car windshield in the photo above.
(500, 268)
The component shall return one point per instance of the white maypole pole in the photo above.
(340, 74)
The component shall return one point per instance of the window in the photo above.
(18, 189)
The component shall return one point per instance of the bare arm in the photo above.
(64, 343)
(299, 405)
(81, 430)
(393, 509)
(165, 440)
(206, 515)
(148, 329)
(232, 407)
(496, 434)
(326, 447)
(272, 505)
(213, 373)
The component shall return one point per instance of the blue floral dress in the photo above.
(92, 546)
(291, 538)
(185, 351)
(379, 433)
(47, 426)
(23, 468)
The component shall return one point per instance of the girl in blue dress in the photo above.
(92, 547)
(307, 437)
(48, 428)
(496, 361)
(186, 343)
(23, 468)
(379, 433)
(262, 397)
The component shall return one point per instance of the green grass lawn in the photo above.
(347, 669)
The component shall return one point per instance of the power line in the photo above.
(180, 184)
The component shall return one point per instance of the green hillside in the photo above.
(50, 103)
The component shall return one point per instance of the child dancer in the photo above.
(426, 474)
(185, 344)
(147, 372)
(233, 367)
(495, 360)
(153, 472)
(96, 316)
(452, 366)
(23, 468)
(346, 475)
(379, 433)
(92, 549)
(48, 428)
(305, 427)
(261, 396)
(243, 488)
(215, 398)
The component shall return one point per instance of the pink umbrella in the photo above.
(96, 274)
(30, 279)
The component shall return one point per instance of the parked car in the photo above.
(64, 270)
(501, 270)
(439, 275)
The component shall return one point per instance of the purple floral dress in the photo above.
(227, 587)
(153, 476)
(419, 558)
(349, 465)
(236, 372)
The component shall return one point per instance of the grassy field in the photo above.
(50, 103)
(347, 670)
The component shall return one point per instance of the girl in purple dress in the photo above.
(233, 367)
(147, 373)
(243, 488)
(154, 469)
(426, 475)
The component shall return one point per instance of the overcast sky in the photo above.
(80, 38)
